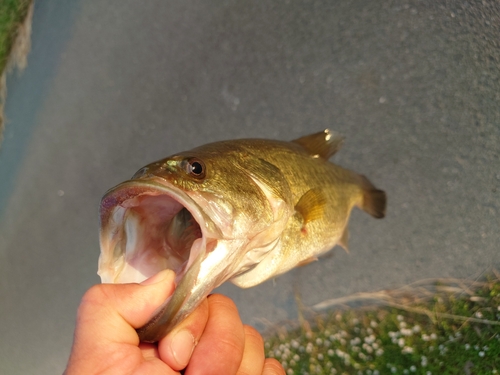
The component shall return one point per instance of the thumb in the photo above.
(111, 312)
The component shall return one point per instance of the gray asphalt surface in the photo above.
(111, 86)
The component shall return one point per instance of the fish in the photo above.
(242, 210)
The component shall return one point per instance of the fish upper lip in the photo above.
(114, 210)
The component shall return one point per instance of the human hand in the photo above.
(212, 340)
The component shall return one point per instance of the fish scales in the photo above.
(244, 210)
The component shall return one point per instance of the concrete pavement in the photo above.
(111, 86)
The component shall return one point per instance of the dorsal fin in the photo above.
(321, 145)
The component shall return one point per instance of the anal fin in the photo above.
(344, 240)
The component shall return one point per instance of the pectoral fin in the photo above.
(321, 145)
(311, 206)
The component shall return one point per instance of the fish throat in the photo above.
(146, 233)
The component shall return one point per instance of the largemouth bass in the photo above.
(244, 210)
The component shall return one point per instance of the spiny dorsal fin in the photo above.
(321, 145)
(311, 205)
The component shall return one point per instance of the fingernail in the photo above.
(161, 276)
(182, 347)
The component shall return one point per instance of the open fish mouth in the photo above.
(147, 226)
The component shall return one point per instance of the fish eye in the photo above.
(195, 168)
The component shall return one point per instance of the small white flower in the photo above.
(406, 332)
(423, 361)
(401, 342)
(467, 346)
(379, 352)
(402, 325)
(416, 328)
(413, 368)
(407, 350)
(400, 318)
(330, 352)
(320, 357)
(355, 341)
(370, 339)
(393, 334)
(479, 314)
(368, 348)
(433, 336)
(481, 354)
(339, 353)
(393, 370)
(374, 324)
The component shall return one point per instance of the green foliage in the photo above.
(12, 14)
(450, 334)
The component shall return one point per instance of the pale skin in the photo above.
(212, 340)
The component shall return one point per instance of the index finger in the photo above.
(221, 346)
(177, 347)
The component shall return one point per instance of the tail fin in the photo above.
(374, 200)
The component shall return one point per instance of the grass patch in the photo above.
(15, 31)
(442, 327)
(12, 15)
